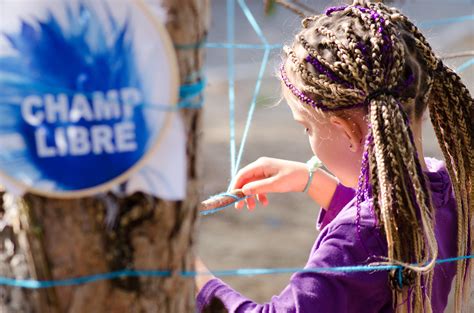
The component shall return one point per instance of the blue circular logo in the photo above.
(86, 88)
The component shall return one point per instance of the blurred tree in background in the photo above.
(53, 239)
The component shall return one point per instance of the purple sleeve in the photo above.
(342, 195)
(326, 291)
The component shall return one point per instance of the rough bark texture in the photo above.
(49, 239)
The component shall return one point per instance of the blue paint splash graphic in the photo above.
(86, 54)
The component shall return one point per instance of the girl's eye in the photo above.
(306, 130)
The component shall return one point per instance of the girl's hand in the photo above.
(268, 175)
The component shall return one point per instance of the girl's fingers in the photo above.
(262, 198)
(261, 186)
(250, 203)
(251, 172)
(245, 177)
(239, 205)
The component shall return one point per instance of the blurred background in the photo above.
(282, 234)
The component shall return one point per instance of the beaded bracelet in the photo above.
(313, 164)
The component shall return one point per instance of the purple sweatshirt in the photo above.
(338, 244)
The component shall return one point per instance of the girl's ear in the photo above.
(349, 129)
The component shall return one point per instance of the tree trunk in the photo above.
(56, 239)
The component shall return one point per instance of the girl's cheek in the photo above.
(321, 141)
(313, 142)
(323, 149)
(332, 151)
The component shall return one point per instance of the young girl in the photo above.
(359, 79)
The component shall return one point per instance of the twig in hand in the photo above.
(221, 200)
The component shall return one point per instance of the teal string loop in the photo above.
(192, 90)
(444, 21)
(231, 80)
(400, 278)
(191, 46)
(465, 65)
(40, 284)
(235, 161)
(188, 92)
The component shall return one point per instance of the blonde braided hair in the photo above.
(370, 54)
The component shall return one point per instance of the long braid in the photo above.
(395, 155)
(452, 118)
(353, 55)
(442, 128)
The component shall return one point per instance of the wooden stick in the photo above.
(461, 54)
(220, 201)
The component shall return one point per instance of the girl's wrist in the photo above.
(312, 166)
(322, 187)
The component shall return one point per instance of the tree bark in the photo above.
(49, 239)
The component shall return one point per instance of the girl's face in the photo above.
(337, 141)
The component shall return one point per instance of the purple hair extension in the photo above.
(409, 298)
(335, 9)
(363, 191)
(315, 104)
(367, 189)
(298, 93)
(363, 48)
(387, 43)
(323, 70)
